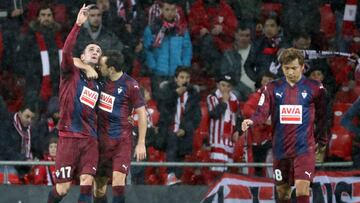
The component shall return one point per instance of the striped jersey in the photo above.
(117, 100)
(78, 95)
(298, 114)
(221, 129)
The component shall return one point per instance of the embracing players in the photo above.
(120, 94)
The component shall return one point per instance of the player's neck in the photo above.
(293, 83)
(115, 76)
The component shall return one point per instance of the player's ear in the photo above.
(82, 57)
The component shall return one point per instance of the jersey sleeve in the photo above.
(136, 98)
(67, 64)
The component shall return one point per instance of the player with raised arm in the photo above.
(77, 152)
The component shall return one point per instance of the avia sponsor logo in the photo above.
(89, 97)
(290, 114)
(106, 102)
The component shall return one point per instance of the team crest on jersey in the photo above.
(106, 102)
(120, 89)
(304, 94)
(89, 97)
(290, 114)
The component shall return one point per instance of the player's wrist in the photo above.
(141, 142)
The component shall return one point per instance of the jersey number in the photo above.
(278, 176)
(64, 172)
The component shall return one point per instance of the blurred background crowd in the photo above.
(200, 63)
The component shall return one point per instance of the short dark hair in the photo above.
(260, 77)
(115, 58)
(53, 139)
(301, 35)
(290, 54)
(274, 18)
(31, 102)
(44, 6)
(168, 2)
(180, 69)
(243, 26)
(91, 42)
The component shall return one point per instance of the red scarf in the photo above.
(177, 27)
(1, 46)
(349, 18)
(124, 7)
(180, 108)
(161, 34)
(25, 137)
(46, 88)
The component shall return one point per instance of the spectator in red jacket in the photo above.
(45, 175)
(212, 25)
(259, 137)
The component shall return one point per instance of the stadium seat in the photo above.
(155, 114)
(328, 19)
(346, 95)
(136, 71)
(340, 69)
(144, 82)
(203, 130)
(269, 9)
(338, 110)
(340, 145)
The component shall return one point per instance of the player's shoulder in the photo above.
(273, 84)
(130, 80)
(313, 83)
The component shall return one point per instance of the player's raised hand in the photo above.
(140, 152)
(246, 124)
(83, 15)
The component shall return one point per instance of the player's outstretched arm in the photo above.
(140, 149)
(68, 62)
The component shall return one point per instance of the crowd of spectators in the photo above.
(201, 63)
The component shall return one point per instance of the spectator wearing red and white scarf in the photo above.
(18, 141)
(167, 45)
(180, 115)
(40, 54)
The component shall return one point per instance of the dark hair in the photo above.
(243, 26)
(53, 139)
(91, 42)
(115, 58)
(180, 69)
(290, 54)
(169, 2)
(301, 35)
(259, 79)
(44, 6)
(274, 18)
(31, 102)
